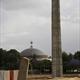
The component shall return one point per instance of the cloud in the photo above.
(38, 7)
(70, 11)
(25, 20)
(70, 24)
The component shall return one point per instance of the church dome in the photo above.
(30, 52)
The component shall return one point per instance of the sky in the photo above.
(22, 21)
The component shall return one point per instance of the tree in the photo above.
(77, 55)
(12, 59)
(64, 58)
(41, 66)
(1, 52)
(70, 56)
(46, 66)
(9, 59)
(2, 57)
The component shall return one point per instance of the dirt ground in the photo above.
(48, 77)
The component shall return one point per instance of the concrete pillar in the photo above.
(23, 72)
(56, 40)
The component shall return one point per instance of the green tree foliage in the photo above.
(66, 61)
(65, 57)
(9, 59)
(43, 66)
(70, 56)
(77, 55)
(46, 66)
(2, 57)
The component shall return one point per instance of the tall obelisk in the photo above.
(56, 40)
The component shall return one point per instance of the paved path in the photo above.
(48, 77)
(58, 79)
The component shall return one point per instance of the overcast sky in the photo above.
(22, 21)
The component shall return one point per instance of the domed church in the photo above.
(33, 52)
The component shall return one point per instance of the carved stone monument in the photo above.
(24, 66)
(56, 40)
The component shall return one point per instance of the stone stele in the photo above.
(24, 66)
(56, 40)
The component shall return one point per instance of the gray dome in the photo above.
(32, 51)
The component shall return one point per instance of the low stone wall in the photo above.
(6, 75)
